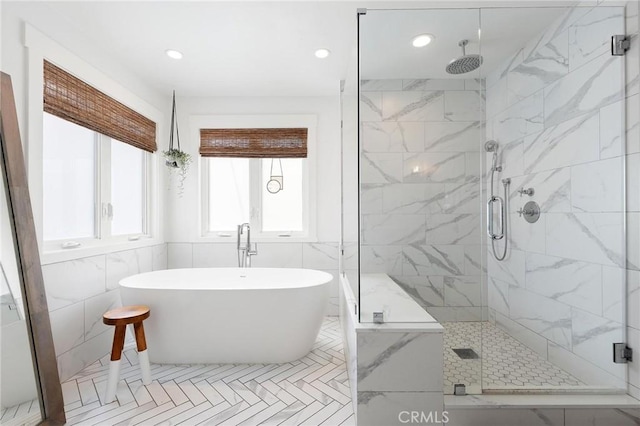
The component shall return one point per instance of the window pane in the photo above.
(69, 180)
(282, 211)
(228, 193)
(127, 189)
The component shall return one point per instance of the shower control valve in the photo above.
(530, 212)
(526, 191)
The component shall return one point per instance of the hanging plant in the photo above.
(175, 158)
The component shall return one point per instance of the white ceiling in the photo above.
(266, 48)
(386, 50)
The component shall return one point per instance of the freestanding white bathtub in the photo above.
(229, 315)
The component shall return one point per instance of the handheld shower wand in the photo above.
(492, 146)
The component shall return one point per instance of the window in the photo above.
(94, 187)
(236, 192)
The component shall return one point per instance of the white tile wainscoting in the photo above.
(78, 293)
(322, 256)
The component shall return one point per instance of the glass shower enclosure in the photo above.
(484, 178)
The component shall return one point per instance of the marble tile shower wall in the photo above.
(420, 190)
(321, 256)
(556, 109)
(78, 293)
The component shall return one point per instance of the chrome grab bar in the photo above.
(490, 224)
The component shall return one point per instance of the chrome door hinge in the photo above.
(620, 43)
(622, 353)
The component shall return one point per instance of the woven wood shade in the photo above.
(73, 100)
(254, 143)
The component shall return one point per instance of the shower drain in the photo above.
(466, 353)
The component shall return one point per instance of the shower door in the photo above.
(555, 106)
(529, 148)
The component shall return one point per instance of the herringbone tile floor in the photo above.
(311, 391)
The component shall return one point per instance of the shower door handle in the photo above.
(490, 229)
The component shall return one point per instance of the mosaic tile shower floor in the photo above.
(508, 364)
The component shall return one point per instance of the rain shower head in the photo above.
(491, 146)
(465, 63)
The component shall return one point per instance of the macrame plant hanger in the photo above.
(174, 122)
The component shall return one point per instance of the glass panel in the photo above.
(128, 183)
(419, 167)
(69, 197)
(282, 210)
(228, 193)
(18, 393)
(556, 108)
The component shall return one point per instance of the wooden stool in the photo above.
(120, 317)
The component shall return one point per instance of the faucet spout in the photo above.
(245, 250)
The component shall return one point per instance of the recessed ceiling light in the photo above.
(322, 53)
(422, 40)
(173, 54)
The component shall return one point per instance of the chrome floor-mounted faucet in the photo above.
(244, 250)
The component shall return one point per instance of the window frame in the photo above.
(39, 48)
(103, 198)
(256, 194)
(309, 234)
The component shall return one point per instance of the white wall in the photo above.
(180, 226)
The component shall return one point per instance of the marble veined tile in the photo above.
(371, 197)
(463, 105)
(541, 314)
(520, 120)
(571, 142)
(438, 167)
(371, 106)
(461, 197)
(393, 136)
(381, 259)
(525, 236)
(413, 198)
(73, 281)
(497, 98)
(576, 283)
(433, 260)
(510, 270)
(598, 186)
(590, 36)
(413, 106)
(592, 338)
(393, 229)
(380, 85)
(501, 71)
(453, 229)
(552, 190)
(545, 61)
(462, 291)
(587, 89)
(453, 136)
(94, 308)
(427, 291)
(383, 359)
(612, 130)
(433, 84)
(381, 168)
(123, 264)
(592, 237)
(614, 294)
(498, 295)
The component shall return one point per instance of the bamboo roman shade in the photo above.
(254, 143)
(73, 100)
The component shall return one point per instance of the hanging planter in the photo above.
(175, 158)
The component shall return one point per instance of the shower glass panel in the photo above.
(528, 147)
(555, 106)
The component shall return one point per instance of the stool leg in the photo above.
(143, 355)
(114, 366)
